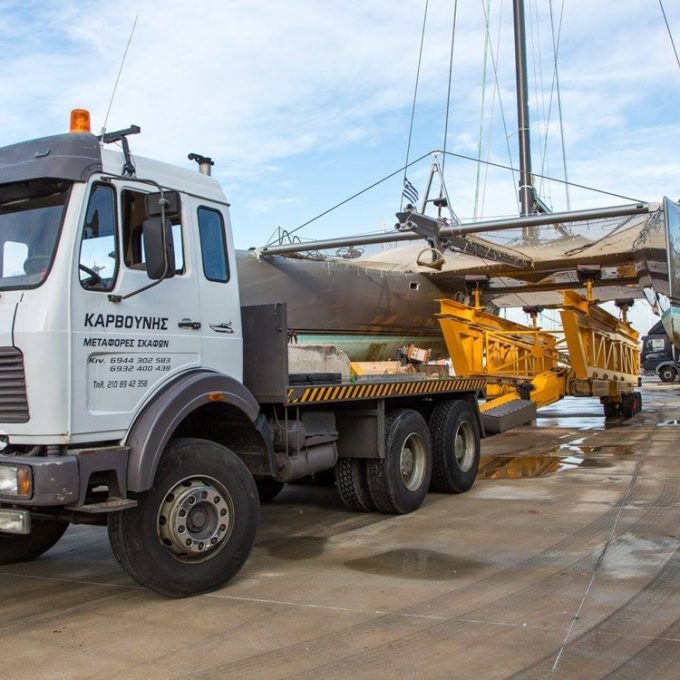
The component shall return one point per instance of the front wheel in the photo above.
(44, 535)
(195, 528)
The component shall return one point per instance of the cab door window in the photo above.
(134, 214)
(98, 263)
(213, 245)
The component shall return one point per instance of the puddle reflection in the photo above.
(556, 459)
(415, 564)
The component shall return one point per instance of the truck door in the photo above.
(123, 351)
(222, 347)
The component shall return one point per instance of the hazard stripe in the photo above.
(364, 391)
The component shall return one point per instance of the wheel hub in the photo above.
(195, 518)
(406, 463)
(463, 447)
(413, 461)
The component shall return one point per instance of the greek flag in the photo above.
(410, 193)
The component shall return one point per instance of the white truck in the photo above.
(135, 391)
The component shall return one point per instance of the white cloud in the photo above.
(258, 85)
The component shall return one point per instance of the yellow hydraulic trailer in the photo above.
(596, 354)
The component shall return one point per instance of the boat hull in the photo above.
(367, 313)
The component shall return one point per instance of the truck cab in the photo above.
(658, 355)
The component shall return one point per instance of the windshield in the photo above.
(30, 219)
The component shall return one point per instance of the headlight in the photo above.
(15, 480)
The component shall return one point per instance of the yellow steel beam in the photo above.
(603, 354)
(600, 346)
(481, 343)
(498, 401)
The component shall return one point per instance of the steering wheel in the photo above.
(91, 272)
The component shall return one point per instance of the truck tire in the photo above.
(667, 374)
(637, 400)
(399, 482)
(455, 446)
(195, 528)
(627, 405)
(611, 409)
(352, 482)
(22, 548)
(268, 488)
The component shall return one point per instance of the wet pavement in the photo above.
(563, 561)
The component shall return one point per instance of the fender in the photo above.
(158, 419)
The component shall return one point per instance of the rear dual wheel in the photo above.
(455, 446)
(444, 455)
(195, 528)
(631, 404)
(352, 483)
(398, 483)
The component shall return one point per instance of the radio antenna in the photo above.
(120, 70)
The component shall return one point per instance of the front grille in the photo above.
(13, 399)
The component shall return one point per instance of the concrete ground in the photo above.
(574, 574)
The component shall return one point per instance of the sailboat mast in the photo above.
(526, 188)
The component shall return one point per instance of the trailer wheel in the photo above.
(668, 374)
(195, 528)
(22, 548)
(267, 488)
(455, 446)
(352, 482)
(627, 405)
(399, 482)
(637, 401)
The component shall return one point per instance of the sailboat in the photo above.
(372, 304)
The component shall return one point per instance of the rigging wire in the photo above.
(670, 34)
(505, 125)
(448, 94)
(358, 193)
(453, 154)
(556, 47)
(493, 108)
(537, 68)
(415, 96)
(542, 176)
(483, 102)
(555, 88)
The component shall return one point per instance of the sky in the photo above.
(304, 103)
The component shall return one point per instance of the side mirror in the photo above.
(152, 204)
(159, 250)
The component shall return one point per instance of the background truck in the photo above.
(659, 355)
(135, 391)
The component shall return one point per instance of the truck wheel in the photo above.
(667, 374)
(22, 548)
(268, 488)
(352, 482)
(399, 482)
(455, 446)
(195, 528)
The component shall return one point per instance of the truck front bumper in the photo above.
(63, 480)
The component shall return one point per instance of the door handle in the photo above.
(188, 323)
